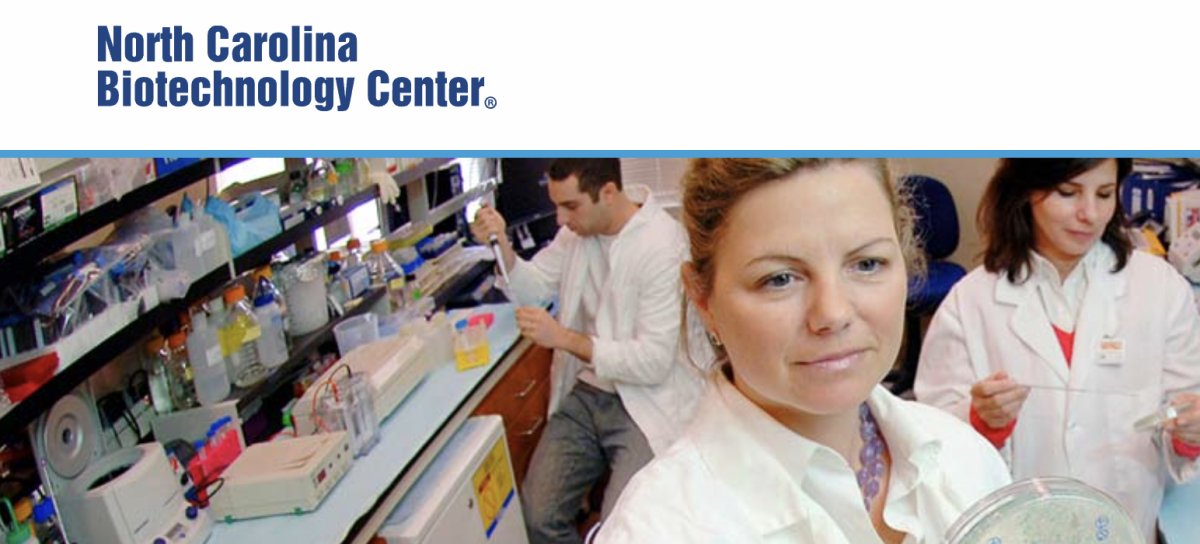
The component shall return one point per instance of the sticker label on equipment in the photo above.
(493, 487)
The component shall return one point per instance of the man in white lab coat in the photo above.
(619, 390)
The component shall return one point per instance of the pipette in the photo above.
(494, 241)
(1079, 390)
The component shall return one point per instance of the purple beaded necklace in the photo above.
(871, 455)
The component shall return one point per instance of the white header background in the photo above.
(851, 75)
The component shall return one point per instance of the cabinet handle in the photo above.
(528, 389)
(534, 428)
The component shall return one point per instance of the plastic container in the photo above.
(208, 362)
(354, 252)
(305, 290)
(264, 283)
(356, 331)
(238, 336)
(272, 345)
(1045, 510)
(389, 325)
(186, 247)
(439, 339)
(471, 347)
(358, 413)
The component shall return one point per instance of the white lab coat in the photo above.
(988, 324)
(737, 476)
(637, 322)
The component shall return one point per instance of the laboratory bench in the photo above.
(514, 384)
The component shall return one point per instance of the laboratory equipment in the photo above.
(494, 241)
(158, 361)
(304, 288)
(272, 344)
(208, 362)
(471, 346)
(131, 496)
(466, 496)
(1155, 420)
(282, 477)
(394, 366)
(1045, 511)
(354, 253)
(349, 405)
(238, 339)
(183, 385)
(355, 331)
(67, 440)
(385, 272)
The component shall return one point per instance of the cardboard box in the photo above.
(58, 203)
(20, 210)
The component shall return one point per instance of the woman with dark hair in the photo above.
(1066, 337)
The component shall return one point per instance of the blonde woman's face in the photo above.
(808, 291)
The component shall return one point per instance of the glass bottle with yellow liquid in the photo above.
(238, 337)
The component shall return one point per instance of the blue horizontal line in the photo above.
(668, 153)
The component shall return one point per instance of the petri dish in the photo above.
(1045, 511)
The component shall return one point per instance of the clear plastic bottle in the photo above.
(238, 337)
(160, 375)
(265, 284)
(272, 344)
(354, 252)
(385, 272)
(335, 263)
(186, 246)
(208, 363)
(183, 384)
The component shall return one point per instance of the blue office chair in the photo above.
(937, 233)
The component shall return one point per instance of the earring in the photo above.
(714, 339)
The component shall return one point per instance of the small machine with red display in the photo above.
(289, 476)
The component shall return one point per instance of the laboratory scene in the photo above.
(642, 350)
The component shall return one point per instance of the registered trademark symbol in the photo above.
(490, 102)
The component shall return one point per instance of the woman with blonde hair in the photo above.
(798, 270)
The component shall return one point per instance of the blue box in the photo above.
(164, 167)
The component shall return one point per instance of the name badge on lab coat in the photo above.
(1111, 352)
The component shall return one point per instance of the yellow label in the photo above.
(466, 359)
(396, 284)
(493, 482)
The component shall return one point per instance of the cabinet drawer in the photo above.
(526, 428)
(510, 395)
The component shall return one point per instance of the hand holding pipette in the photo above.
(489, 225)
(997, 399)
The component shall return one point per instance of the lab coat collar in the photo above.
(765, 464)
(1030, 322)
(643, 196)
